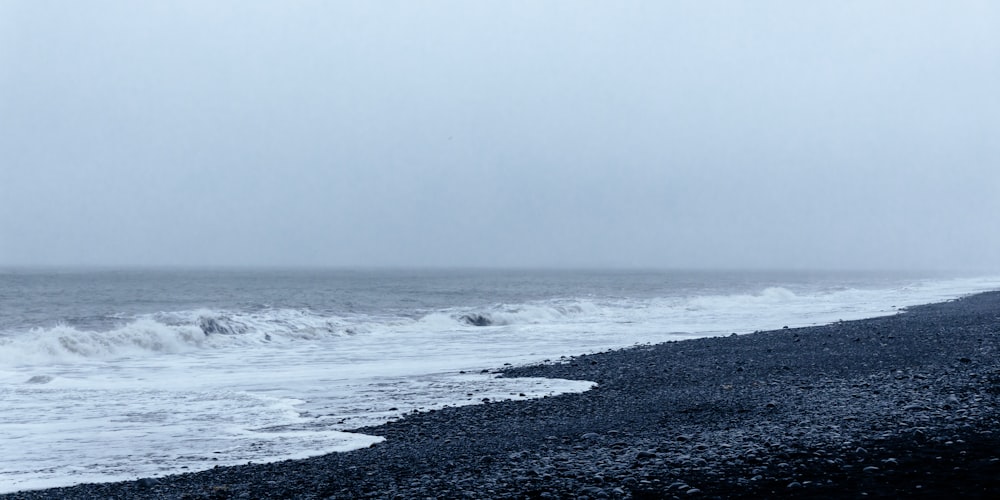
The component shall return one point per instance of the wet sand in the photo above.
(906, 406)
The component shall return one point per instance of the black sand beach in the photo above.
(906, 406)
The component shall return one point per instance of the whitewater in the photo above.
(113, 375)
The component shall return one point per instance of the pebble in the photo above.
(148, 482)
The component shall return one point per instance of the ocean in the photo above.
(118, 374)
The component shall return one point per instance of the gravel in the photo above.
(899, 406)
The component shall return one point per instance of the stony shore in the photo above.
(906, 406)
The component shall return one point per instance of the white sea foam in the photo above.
(66, 434)
(156, 394)
(66, 344)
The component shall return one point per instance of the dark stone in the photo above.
(148, 482)
(210, 325)
(476, 319)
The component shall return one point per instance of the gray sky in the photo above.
(781, 134)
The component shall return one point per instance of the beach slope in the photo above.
(898, 406)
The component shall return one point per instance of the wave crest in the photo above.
(167, 333)
(65, 343)
(767, 297)
(527, 314)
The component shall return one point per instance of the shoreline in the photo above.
(891, 406)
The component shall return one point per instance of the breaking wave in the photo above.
(167, 333)
(65, 343)
(529, 314)
(684, 315)
(187, 331)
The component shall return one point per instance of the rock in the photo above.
(222, 326)
(476, 319)
(148, 482)
(794, 485)
(950, 402)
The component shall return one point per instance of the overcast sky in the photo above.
(766, 134)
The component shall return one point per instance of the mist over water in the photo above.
(121, 374)
(682, 134)
(331, 136)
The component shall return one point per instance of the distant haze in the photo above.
(705, 134)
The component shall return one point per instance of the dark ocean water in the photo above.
(99, 299)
